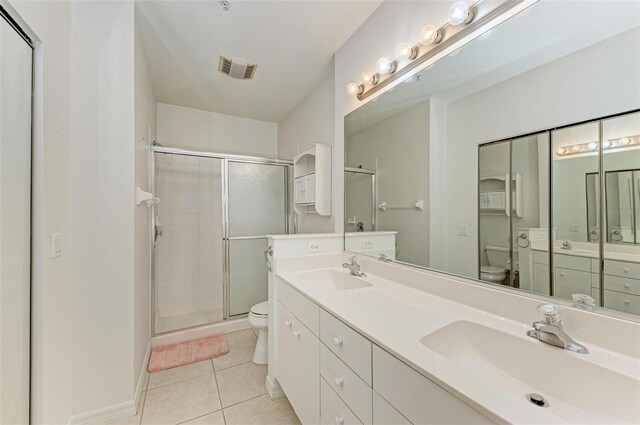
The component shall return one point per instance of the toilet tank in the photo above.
(498, 256)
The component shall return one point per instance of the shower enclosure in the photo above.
(210, 232)
(360, 199)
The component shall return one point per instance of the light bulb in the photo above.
(384, 66)
(624, 141)
(606, 144)
(576, 148)
(367, 77)
(354, 89)
(404, 51)
(561, 151)
(592, 146)
(459, 13)
(429, 34)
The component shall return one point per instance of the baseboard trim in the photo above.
(121, 410)
(273, 388)
(200, 332)
(106, 414)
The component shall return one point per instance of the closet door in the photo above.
(15, 224)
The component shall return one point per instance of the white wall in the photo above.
(311, 121)
(209, 131)
(102, 207)
(145, 133)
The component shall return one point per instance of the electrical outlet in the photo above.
(367, 244)
(574, 228)
(314, 247)
(56, 245)
(463, 230)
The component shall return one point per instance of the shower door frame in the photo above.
(374, 203)
(225, 159)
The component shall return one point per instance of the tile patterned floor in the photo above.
(227, 390)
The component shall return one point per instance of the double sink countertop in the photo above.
(483, 357)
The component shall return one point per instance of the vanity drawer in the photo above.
(333, 411)
(385, 414)
(622, 269)
(572, 262)
(541, 257)
(416, 397)
(351, 389)
(622, 284)
(569, 282)
(351, 347)
(302, 307)
(619, 301)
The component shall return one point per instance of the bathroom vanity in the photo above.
(402, 346)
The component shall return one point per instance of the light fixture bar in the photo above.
(486, 14)
(592, 147)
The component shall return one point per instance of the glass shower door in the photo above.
(257, 206)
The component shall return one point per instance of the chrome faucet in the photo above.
(354, 267)
(550, 331)
(566, 244)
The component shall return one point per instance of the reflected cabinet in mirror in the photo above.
(515, 160)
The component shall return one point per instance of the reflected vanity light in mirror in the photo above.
(623, 142)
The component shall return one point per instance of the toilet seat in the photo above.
(260, 310)
(490, 270)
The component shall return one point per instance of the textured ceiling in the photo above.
(291, 41)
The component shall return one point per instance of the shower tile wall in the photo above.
(358, 200)
(189, 253)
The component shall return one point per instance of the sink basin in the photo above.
(573, 386)
(331, 281)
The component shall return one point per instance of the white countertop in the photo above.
(611, 252)
(395, 317)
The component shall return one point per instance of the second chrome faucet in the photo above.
(354, 267)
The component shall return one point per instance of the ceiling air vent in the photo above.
(236, 68)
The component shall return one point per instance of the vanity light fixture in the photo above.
(460, 13)
(405, 51)
(355, 88)
(429, 34)
(433, 40)
(623, 142)
(369, 77)
(385, 66)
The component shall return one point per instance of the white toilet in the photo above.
(259, 319)
(496, 271)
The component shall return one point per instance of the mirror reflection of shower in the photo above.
(360, 199)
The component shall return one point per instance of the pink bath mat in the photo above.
(183, 353)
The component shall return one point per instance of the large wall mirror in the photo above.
(515, 160)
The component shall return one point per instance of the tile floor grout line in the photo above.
(198, 417)
(244, 401)
(181, 379)
(227, 368)
(224, 419)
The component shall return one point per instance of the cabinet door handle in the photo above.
(287, 323)
(627, 302)
(561, 273)
(626, 269)
(337, 341)
(296, 334)
(338, 381)
(339, 420)
(626, 285)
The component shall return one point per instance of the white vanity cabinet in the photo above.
(298, 348)
(333, 375)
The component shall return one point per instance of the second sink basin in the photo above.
(332, 280)
(520, 365)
